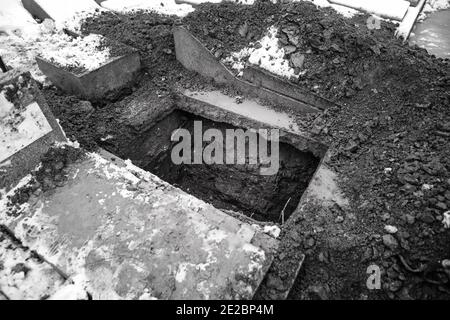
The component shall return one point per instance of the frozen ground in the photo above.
(169, 7)
(348, 12)
(81, 53)
(23, 39)
(269, 55)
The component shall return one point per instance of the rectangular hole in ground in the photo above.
(238, 188)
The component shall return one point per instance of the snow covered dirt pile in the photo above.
(267, 54)
(148, 32)
(229, 27)
(79, 54)
(330, 53)
(76, 54)
(341, 56)
(317, 48)
(97, 125)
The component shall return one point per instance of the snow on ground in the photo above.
(69, 14)
(66, 14)
(169, 7)
(15, 19)
(22, 39)
(390, 9)
(433, 6)
(345, 11)
(19, 130)
(81, 52)
(20, 51)
(269, 55)
(23, 277)
(72, 291)
(52, 44)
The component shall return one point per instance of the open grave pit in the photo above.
(233, 188)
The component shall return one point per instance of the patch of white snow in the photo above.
(20, 130)
(267, 55)
(168, 7)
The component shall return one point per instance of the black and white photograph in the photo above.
(226, 155)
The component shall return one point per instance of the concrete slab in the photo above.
(248, 108)
(117, 73)
(123, 233)
(27, 127)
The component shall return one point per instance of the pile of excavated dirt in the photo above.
(229, 27)
(148, 32)
(84, 123)
(336, 56)
(389, 136)
(390, 139)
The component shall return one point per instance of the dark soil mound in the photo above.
(228, 27)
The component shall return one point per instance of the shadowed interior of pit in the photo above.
(236, 187)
